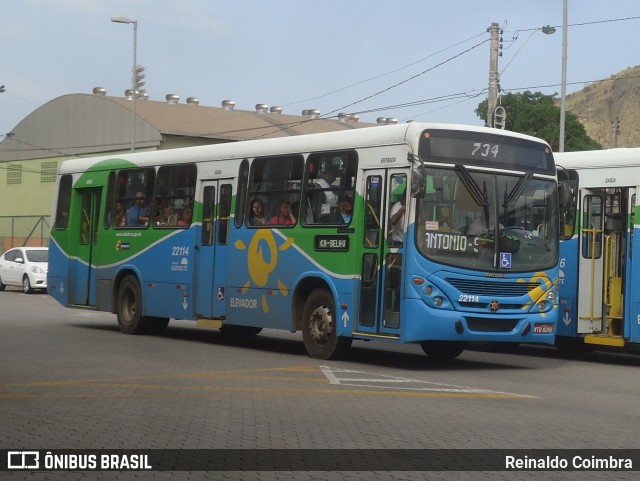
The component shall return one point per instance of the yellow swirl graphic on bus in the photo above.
(262, 260)
(259, 267)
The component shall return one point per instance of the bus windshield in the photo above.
(463, 212)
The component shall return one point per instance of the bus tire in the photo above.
(319, 327)
(442, 350)
(129, 306)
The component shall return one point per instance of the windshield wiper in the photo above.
(472, 187)
(517, 189)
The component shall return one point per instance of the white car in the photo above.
(25, 267)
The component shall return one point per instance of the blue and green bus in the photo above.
(359, 235)
(598, 243)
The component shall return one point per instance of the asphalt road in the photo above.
(70, 380)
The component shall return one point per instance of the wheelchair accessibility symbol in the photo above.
(505, 260)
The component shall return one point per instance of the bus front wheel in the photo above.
(130, 306)
(319, 327)
(442, 350)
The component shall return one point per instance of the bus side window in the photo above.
(276, 180)
(174, 195)
(224, 211)
(592, 227)
(208, 209)
(373, 201)
(241, 194)
(110, 205)
(330, 178)
(397, 207)
(135, 189)
(64, 202)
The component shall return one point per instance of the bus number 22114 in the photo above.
(180, 251)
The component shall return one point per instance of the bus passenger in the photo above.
(479, 225)
(325, 181)
(139, 213)
(63, 220)
(187, 214)
(165, 216)
(344, 211)
(256, 216)
(121, 215)
(285, 216)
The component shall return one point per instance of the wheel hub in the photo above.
(321, 324)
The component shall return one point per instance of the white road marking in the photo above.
(382, 381)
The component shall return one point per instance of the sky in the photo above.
(423, 60)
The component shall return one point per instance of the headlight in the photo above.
(37, 270)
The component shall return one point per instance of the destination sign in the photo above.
(337, 243)
(487, 150)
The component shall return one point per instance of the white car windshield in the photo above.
(37, 255)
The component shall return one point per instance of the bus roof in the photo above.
(363, 137)
(598, 159)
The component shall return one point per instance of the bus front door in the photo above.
(85, 230)
(385, 196)
(603, 261)
(211, 250)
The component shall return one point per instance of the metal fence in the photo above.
(24, 230)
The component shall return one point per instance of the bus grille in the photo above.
(492, 288)
(481, 324)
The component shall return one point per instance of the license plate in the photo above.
(543, 329)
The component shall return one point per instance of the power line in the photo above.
(408, 79)
(384, 74)
(582, 24)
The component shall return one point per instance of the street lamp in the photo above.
(134, 85)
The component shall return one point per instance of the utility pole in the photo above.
(563, 89)
(615, 125)
(492, 98)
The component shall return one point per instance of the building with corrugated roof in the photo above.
(87, 125)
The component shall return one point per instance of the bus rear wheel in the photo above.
(442, 350)
(129, 306)
(319, 327)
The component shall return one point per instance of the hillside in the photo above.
(599, 105)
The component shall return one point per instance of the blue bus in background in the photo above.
(599, 248)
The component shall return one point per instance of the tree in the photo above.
(539, 115)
